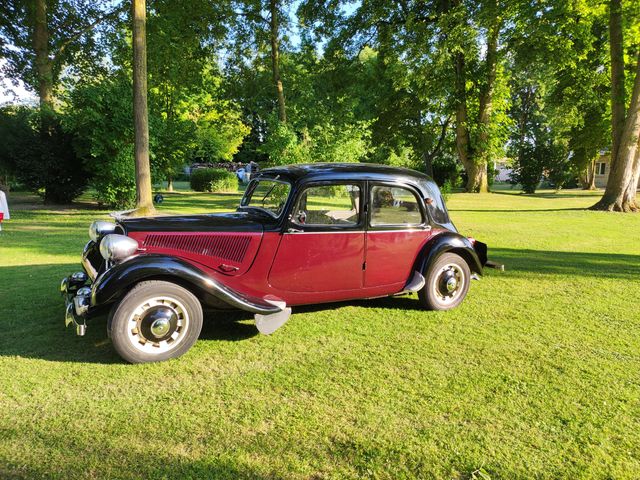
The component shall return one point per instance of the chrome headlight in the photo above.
(100, 228)
(116, 247)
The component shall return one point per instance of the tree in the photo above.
(441, 45)
(144, 203)
(40, 38)
(275, 58)
(253, 28)
(620, 192)
(50, 168)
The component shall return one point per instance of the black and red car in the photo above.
(302, 234)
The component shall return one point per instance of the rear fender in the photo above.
(114, 283)
(453, 243)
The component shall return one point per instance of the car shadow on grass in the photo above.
(102, 460)
(607, 265)
(32, 317)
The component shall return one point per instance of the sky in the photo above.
(10, 93)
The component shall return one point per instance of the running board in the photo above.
(267, 324)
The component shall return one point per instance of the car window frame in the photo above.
(276, 179)
(295, 227)
(426, 218)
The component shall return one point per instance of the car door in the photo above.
(397, 228)
(322, 248)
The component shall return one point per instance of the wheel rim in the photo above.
(449, 284)
(158, 325)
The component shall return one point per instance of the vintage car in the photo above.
(302, 234)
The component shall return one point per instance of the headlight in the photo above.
(99, 229)
(115, 247)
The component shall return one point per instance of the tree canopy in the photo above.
(449, 87)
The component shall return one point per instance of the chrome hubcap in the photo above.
(449, 284)
(158, 325)
(452, 284)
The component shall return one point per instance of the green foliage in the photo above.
(44, 161)
(213, 180)
(79, 31)
(101, 116)
(283, 146)
(446, 190)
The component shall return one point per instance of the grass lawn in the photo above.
(536, 375)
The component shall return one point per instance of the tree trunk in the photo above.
(618, 106)
(144, 203)
(476, 171)
(631, 193)
(482, 150)
(43, 67)
(618, 195)
(463, 141)
(428, 164)
(589, 180)
(275, 60)
(478, 181)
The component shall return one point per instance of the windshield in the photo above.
(267, 194)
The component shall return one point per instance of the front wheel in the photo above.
(446, 283)
(155, 321)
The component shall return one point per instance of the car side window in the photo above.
(394, 206)
(328, 205)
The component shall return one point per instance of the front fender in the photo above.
(114, 283)
(451, 242)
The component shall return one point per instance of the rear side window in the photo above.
(394, 206)
(436, 207)
(328, 205)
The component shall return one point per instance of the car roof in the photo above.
(347, 171)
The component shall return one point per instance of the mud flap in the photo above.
(267, 324)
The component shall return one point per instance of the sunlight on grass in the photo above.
(534, 376)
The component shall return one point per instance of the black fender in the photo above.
(452, 242)
(114, 283)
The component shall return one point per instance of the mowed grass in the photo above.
(536, 375)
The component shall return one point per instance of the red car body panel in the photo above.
(391, 255)
(285, 269)
(319, 262)
(229, 253)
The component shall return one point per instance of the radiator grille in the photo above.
(227, 247)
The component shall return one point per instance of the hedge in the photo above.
(213, 180)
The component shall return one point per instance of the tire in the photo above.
(437, 293)
(155, 321)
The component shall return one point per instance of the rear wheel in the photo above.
(155, 321)
(446, 282)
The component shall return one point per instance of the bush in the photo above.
(46, 164)
(213, 180)
(101, 117)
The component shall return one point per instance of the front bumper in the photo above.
(76, 288)
(77, 300)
